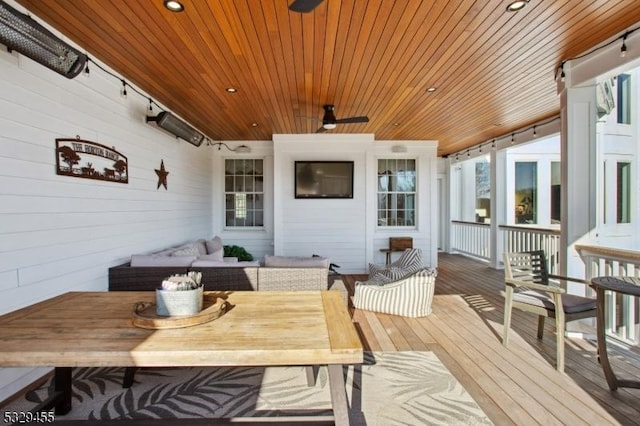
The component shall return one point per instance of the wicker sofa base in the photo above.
(148, 278)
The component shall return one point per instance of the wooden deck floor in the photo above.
(515, 385)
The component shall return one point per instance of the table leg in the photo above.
(62, 385)
(312, 374)
(613, 382)
(338, 395)
(602, 342)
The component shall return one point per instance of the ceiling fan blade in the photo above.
(321, 129)
(304, 6)
(363, 119)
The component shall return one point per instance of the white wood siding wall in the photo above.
(346, 230)
(257, 241)
(61, 233)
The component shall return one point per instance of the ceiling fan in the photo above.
(329, 120)
(304, 6)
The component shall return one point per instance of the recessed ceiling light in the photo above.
(517, 5)
(254, 124)
(231, 89)
(431, 89)
(396, 124)
(173, 5)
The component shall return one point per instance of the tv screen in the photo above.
(324, 179)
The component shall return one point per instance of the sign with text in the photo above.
(90, 160)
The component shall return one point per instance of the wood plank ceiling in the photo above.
(493, 70)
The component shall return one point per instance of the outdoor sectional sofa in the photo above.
(276, 273)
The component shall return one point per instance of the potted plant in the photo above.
(180, 295)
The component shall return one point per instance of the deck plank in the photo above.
(514, 385)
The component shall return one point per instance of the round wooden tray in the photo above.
(144, 315)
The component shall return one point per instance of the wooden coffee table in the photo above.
(94, 329)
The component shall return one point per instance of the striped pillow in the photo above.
(409, 262)
(410, 257)
(409, 297)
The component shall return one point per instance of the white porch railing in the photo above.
(474, 239)
(623, 318)
(471, 238)
(527, 238)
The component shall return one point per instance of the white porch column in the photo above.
(498, 204)
(580, 170)
(578, 174)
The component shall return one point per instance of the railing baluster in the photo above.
(622, 311)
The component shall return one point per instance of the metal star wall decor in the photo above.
(162, 175)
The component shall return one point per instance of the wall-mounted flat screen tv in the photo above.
(324, 179)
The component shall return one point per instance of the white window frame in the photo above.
(414, 193)
(240, 208)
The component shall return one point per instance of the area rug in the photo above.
(390, 388)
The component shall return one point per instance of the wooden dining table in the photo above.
(622, 285)
(96, 329)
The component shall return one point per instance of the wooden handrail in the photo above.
(463, 222)
(630, 256)
(548, 231)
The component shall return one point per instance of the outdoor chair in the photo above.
(529, 287)
(410, 296)
(410, 261)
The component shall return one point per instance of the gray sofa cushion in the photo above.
(186, 250)
(295, 262)
(215, 248)
(155, 260)
(221, 264)
(201, 244)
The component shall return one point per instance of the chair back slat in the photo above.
(527, 266)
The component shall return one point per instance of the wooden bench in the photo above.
(396, 244)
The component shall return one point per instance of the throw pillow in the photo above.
(202, 246)
(377, 279)
(211, 257)
(188, 250)
(215, 248)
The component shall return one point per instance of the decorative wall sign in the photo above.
(162, 175)
(90, 160)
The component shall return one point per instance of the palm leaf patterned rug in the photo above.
(390, 388)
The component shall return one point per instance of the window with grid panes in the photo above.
(244, 193)
(396, 192)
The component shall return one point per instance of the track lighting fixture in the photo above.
(150, 105)
(494, 141)
(123, 92)
(623, 51)
(86, 69)
(23, 34)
